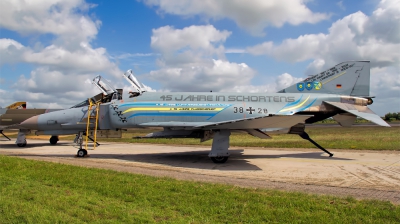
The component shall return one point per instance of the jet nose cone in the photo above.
(31, 123)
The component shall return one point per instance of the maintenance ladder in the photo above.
(92, 118)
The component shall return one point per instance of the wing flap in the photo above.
(276, 121)
(175, 124)
(258, 133)
(361, 111)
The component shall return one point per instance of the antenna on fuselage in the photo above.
(139, 88)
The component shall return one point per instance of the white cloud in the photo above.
(189, 45)
(11, 51)
(129, 55)
(186, 62)
(282, 81)
(340, 5)
(204, 78)
(252, 15)
(83, 60)
(61, 67)
(375, 38)
(355, 37)
(64, 19)
(44, 85)
(386, 87)
(4, 101)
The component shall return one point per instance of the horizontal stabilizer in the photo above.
(360, 111)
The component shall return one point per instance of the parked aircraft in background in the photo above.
(14, 114)
(17, 105)
(341, 92)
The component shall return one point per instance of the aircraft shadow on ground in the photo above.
(302, 155)
(189, 159)
(11, 144)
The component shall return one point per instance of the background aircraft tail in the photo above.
(17, 105)
(350, 78)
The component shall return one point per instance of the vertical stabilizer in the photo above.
(350, 78)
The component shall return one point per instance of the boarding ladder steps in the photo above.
(90, 120)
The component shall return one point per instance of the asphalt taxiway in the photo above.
(357, 173)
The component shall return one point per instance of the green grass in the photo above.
(42, 192)
(372, 138)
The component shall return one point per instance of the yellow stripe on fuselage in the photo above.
(172, 109)
(297, 106)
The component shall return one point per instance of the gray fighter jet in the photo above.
(341, 92)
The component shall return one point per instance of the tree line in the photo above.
(392, 116)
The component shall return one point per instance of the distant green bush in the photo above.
(392, 116)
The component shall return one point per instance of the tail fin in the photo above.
(350, 78)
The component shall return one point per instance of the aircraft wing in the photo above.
(175, 124)
(278, 121)
(361, 111)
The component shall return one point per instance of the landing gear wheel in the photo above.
(219, 159)
(53, 140)
(21, 144)
(81, 153)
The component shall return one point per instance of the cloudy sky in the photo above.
(51, 49)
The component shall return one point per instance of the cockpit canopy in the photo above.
(109, 93)
(138, 87)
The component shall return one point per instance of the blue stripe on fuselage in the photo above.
(171, 114)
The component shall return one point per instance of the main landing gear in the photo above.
(219, 159)
(53, 140)
(219, 149)
(21, 139)
(22, 144)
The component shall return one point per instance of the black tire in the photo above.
(219, 159)
(53, 140)
(21, 144)
(81, 153)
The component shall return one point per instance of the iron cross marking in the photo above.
(250, 110)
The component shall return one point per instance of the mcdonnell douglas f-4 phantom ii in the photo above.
(341, 92)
